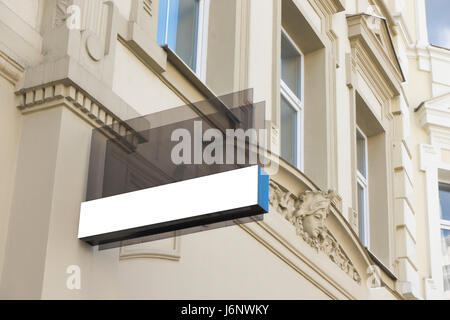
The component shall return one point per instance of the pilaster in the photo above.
(429, 162)
(404, 208)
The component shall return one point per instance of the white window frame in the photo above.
(202, 37)
(444, 225)
(431, 164)
(296, 103)
(364, 183)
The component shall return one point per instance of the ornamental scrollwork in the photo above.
(61, 12)
(308, 213)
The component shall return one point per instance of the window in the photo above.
(182, 26)
(371, 169)
(444, 197)
(362, 186)
(291, 103)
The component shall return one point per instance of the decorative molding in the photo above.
(375, 57)
(167, 249)
(353, 219)
(148, 6)
(434, 116)
(330, 7)
(9, 69)
(403, 29)
(308, 213)
(427, 55)
(94, 48)
(435, 112)
(61, 12)
(384, 10)
(327, 9)
(70, 95)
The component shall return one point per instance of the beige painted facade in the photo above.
(367, 65)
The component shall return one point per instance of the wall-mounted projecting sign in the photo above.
(209, 199)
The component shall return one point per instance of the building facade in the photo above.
(357, 108)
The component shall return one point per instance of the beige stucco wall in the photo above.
(26, 10)
(132, 80)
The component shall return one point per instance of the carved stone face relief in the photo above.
(311, 215)
(308, 213)
(313, 224)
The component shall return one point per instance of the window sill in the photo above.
(188, 73)
(145, 48)
(193, 78)
(381, 265)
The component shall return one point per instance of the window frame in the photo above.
(444, 225)
(363, 181)
(202, 35)
(295, 102)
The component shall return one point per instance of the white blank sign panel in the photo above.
(218, 197)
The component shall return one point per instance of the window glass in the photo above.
(288, 132)
(445, 238)
(438, 22)
(361, 153)
(361, 213)
(162, 22)
(290, 66)
(444, 197)
(178, 28)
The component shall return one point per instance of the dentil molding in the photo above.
(71, 96)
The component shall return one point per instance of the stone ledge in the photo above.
(67, 94)
(9, 69)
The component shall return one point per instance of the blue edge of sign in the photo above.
(263, 189)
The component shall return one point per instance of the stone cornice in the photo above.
(66, 93)
(439, 53)
(386, 13)
(435, 112)
(370, 54)
(330, 7)
(9, 69)
(434, 117)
